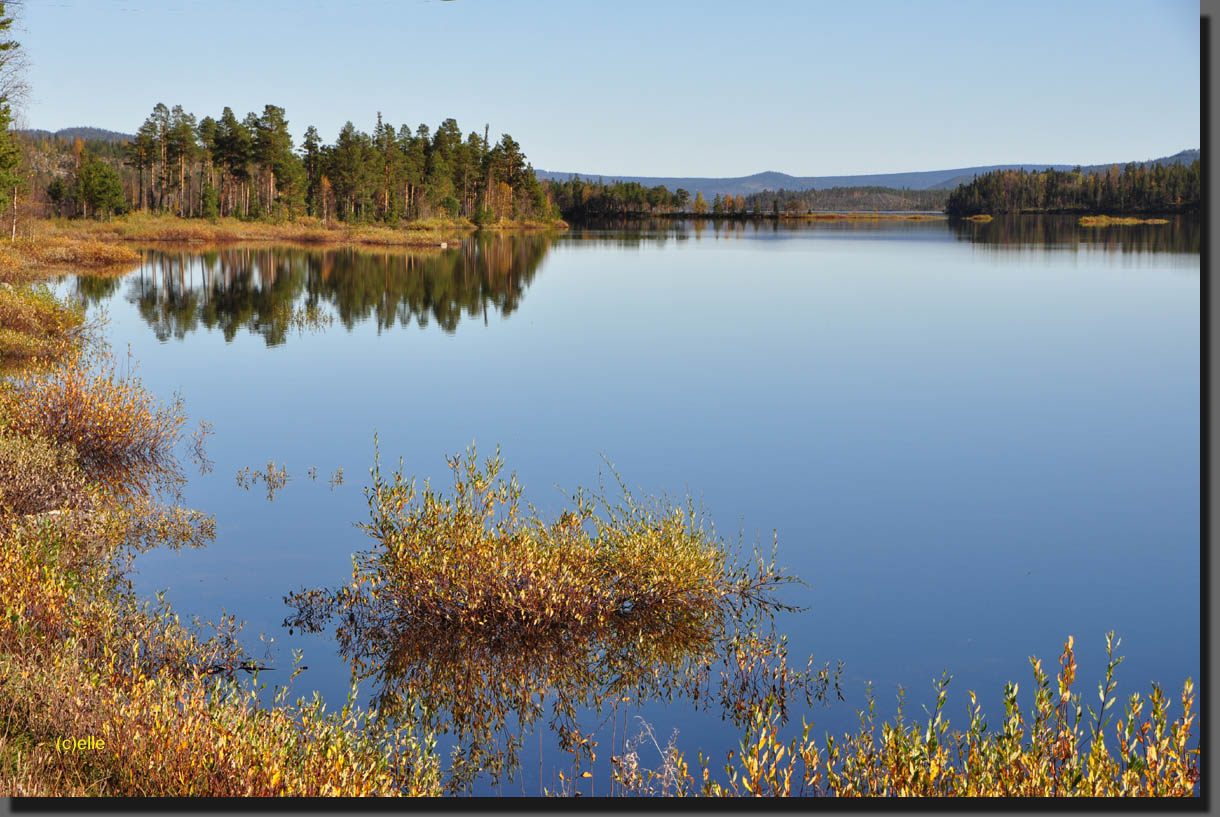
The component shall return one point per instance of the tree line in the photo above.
(251, 168)
(1136, 188)
(862, 198)
(581, 199)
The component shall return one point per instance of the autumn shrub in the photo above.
(479, 560)
(472, 608)
(207, 736)
(37, 476)
(1054, 750)
(79, 655)
(123, 437)
(35, 326)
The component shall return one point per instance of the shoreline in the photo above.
(145, 228)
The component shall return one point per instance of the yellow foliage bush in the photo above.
(122, 436)
(1045, 753)
(35, 327)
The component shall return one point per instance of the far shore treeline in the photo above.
(579, 199)
(250, 168)
(1136, 188)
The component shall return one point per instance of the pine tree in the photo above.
(10, 158)
(11, 83)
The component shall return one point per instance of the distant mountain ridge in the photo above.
(774, 180)
(86, 134)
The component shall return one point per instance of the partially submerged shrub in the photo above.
(32, 257)
(478, 560)
(123, 437)
(474, 615)
(35, 325)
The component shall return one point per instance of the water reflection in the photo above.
(271, 290)
(1181, 235)
(491, 691)
(634, 232)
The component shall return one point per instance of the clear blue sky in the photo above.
(637, 87)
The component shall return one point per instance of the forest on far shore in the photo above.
(251, 169)
(1136, 188)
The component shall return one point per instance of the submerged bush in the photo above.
(473, 614)
(123, 437)
(478, 561)
(35, 326)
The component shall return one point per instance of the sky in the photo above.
(638, 87)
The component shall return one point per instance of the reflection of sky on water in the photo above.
(967, 452)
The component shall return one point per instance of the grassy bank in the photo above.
(148, 228)
(29, 259)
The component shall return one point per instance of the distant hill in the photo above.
(86, 134)
(773, 180)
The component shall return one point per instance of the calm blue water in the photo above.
(971, 442)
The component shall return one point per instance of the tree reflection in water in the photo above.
(1022, 232)
(270, 291)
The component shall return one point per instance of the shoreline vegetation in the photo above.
(90, 466)
(47, 246)
(148, 227)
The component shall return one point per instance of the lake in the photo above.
(969, 440)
